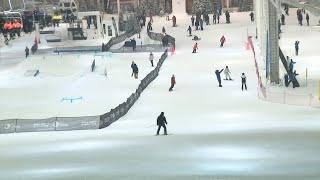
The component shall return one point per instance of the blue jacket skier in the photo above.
(219, 76)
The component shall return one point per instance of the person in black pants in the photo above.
(162, 122)
(217, 72)
(244, 81)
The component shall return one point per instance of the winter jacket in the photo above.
(223, 39)
(243, 78)
(218, 74)
(226, 71)
(173, 80)
(161, 120)
(151, 57)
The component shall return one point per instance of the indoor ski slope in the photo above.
(214, 133)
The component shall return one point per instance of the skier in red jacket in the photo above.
(222, 41)
(173, 82)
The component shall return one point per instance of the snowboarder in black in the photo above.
(227, 17)
(217, 72)
(293, 78)
(189, 30)
(243, 81)
(308, 19)
(162, 122)
(252, 16)
(296, 46)
(27, 52)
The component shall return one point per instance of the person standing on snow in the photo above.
(173, 82)
(162, 122)
(243, 81)
(252, 16)
(214, 17)
(174, 21)
(192, 20)
(296, 46)
(201, 24)
(217, 72)
(227, 17)
(27, 52)
(308, 19)
(151, 57)
(195, 48)
(227, 73)
(189, 30)
(222, 41)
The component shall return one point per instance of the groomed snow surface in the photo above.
(214, 133)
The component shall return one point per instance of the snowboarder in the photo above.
(291, 65)
(214, 17)
(27, 51)
(132, 67)
(151, 58)
(192, 20)
(162, 122)
(195, 48)
(201, 24)
(243, 81)
(296, 46)
(218, 17)
(293, 77)
(222, 41)
(283, 19)
(174, 21)
(252, 16)
(149, 27)
(308, 19)
(189, 30)
(173, 82)
(163, 30)
(227, 17)
(135, 70)
(217, 72)
(227, 73)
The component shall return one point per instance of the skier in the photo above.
(173, 82)
(217, 72)
(227, 73)
(296, 45)
(192, 20)
(308, 19)
(243, 81)
(201, 24)
(195, 47)
(252, 16)
(283, 19)
(189, 30)
(197, 24)
(218, 17)
(222, 41)
(162, 122)
(227, 17)
(151, 57)
(27, 51)
(174, 21)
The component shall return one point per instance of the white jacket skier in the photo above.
(227, 73)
